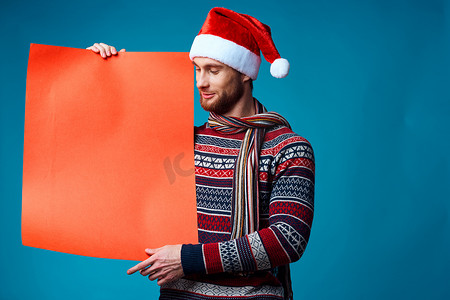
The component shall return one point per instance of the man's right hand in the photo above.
(104, 50)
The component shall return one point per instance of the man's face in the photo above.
(220, 86)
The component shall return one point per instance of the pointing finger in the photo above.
(142, 265)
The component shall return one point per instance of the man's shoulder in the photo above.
(281, 139)
(281, 133)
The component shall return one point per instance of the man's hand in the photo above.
(164, 264)
(104, 50)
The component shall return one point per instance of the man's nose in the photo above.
(202, 81)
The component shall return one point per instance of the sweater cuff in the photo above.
(192, 259)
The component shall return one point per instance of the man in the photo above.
(254, 176)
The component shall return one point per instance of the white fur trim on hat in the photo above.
(227, 52)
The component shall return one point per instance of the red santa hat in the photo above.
(236, 40)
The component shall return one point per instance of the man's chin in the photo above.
(207, 104)
(206, 107)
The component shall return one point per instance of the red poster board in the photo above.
(108, 164)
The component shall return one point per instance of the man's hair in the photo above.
(251, 84)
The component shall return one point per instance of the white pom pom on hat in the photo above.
(237, 40)
(279, 68)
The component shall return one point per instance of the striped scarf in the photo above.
(245, 202)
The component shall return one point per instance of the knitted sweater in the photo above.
(245, 268)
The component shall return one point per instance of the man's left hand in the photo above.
(164, 264)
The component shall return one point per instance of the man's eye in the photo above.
(197, 70)
(215, 72)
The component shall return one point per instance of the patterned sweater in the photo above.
(244, 268)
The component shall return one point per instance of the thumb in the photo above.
(150, 251)
(122, 50)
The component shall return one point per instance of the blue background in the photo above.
(368, 87)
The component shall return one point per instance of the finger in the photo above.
(107, 49)
(151, 251)
(93, 48)
(122, 50)
(149, 262)
(150, 270)
(158, 275)
(142, 265)
(145, 272)
(153, 268)
(154, 276)
(163, 280)
(113, 50)
(101, 49)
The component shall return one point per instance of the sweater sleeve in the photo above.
(291, 209)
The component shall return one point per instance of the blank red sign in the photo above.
(108, 167)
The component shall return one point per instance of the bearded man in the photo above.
(254, 176)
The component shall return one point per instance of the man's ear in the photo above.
(245, 78)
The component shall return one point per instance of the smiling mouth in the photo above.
(207, 95)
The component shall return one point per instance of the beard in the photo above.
(225, 101)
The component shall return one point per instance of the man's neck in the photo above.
(244, 107)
